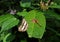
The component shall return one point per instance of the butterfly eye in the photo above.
(23, 27)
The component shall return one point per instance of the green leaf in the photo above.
(2, 35)
(8, 24)
(54, 5)
(23, 13)
(4, 18)
(10, 38)
(56, 1)
(35, 30)
(4, 40)
(25, 4)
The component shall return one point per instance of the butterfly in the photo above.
(23, 27)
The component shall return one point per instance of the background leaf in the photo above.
(55, 6)
(8, 24)
(25, 4)
(5, 17)
(23, 13)
(4, 40)
(52, 14)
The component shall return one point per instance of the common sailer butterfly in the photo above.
(23, 27)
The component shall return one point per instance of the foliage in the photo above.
(41, 24)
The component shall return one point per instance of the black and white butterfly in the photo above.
(23, 27)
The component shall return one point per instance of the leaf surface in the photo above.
(8, 24)
(35, 29)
